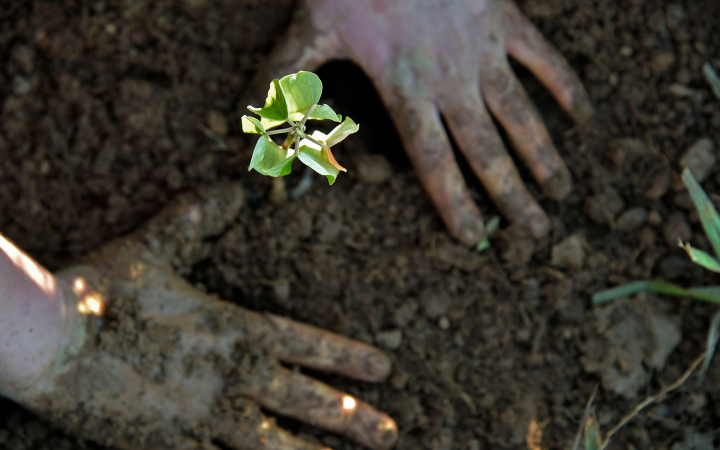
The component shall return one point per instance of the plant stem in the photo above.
(311, 139)
(307, 114)
(284, 130)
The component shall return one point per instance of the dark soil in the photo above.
(103, 110)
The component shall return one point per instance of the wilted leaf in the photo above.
(708, 214)
(701, 258)
(302, 90)
(325, 112)
(270, 159)
(251, 125)
(331, 158)
(275, 110)
(340, 132)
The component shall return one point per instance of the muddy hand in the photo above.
(433, 58)
(149, 362)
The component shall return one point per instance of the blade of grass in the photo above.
(710, 345)
(593, 440)
(701, 258)
(712, 79)
(586, 415)
(708, 214)
(710, 294)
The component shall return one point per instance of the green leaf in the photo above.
(270, 159)
(313, 156)
(340, 132)
(709, 293)
(275, 110)
(325, 112)
(710, 345)
(302, 90)
(593, 440)
(701, 258)
(708, 214)
(251, 125)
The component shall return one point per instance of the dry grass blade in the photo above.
(653, 398)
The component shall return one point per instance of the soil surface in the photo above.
(106, 109)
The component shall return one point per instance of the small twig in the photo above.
(652, 399)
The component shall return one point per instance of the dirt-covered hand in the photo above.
(154, 363)
(433, 58)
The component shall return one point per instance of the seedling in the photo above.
(711, 224)
(293, 100)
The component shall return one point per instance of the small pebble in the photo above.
(700, 159)
(658, 186)
(647, 237)
(631, 219)
(602, 208)
(680, 90)
(444, 323)
(389, 339)
(660, 62)
(372, 169)
(673, 267)
(399, 380)
(434, 302)
(626, 50)
(569, 254)
(217, 123)
(654, 218)
(474, 444)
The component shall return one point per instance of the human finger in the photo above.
(526, 44)
(319, 349)
(426, 142)
(475, 132)
(511, 106)
(301, 397)
(265, 435)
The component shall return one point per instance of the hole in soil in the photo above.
(353, 94)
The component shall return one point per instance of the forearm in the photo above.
(32, 312)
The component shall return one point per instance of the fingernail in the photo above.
(558, 186)
(373, 429)
(378, 365)
(385, 434)
(470, 230)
